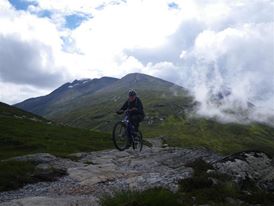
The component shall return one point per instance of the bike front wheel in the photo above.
(119, 136)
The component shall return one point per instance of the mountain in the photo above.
(170, 113)
(95, 109)
(63, 95)
(7, 111)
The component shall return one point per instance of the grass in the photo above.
(170, 119)
(23, 136)
(222, 138)
(15, 174)
(203, 188)
(151, 197)
(167, 106)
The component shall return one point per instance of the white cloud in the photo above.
(26, 62)
(29, 47)
(241, 59)
(69, 6)
(11, 92)
(100, 42)
(204, 45)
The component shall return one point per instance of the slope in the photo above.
(25, 133)
(97, 110)
(170, 112)
(60, 98)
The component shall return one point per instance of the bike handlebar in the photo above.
(122, 112)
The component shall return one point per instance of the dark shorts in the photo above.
(135, 119)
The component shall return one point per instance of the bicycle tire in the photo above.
(115, 136)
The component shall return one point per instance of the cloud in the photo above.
(29, 47)
(11, 92)
(69, 6)
(240, 59)
(207, 46)
(27, 63)
(182, 39)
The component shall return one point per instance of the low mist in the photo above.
(231, 74)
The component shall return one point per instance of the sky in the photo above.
(210, 47)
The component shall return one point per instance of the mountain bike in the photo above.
(124, 135)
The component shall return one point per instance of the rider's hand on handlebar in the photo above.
(119, 112)
(132, 109)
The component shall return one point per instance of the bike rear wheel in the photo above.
(119, 136)
(138, 141)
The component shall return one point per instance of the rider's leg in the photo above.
(139, 118)
(135, 120)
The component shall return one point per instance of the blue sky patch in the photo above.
(21, 4)
(173, 5)
(69, 45)
(44, 13)
(74, 20)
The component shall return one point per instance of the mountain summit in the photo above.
(89, 103)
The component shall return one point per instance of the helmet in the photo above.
(131, 93)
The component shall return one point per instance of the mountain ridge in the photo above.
(63, 93)
(113, 90)
(170, 112)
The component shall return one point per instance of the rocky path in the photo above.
(97, 173)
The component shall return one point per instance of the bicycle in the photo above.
(124, 136)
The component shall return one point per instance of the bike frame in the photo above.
(129, 127)
(134, 140)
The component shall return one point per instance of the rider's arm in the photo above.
(123, 108)
(139, 106)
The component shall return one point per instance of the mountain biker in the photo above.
(135, 108)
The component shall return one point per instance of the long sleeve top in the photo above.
(137, 103)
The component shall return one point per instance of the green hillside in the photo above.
(222, 138)
(169, 112)
(24, 133)
(13, 112)
(97, 111)
(168, 109)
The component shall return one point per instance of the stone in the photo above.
(246, 165)
(94, 174)
(35, 158)
(46, 172)
(48, 201)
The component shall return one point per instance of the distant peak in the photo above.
(77, 82)
(142, 77)
(80, 80)
(139, 76)
(84, 79)
(88, 79)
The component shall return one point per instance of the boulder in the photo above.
(35, 158)
(253, 166)
(50, 201)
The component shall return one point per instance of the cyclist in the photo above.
(135, 108)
